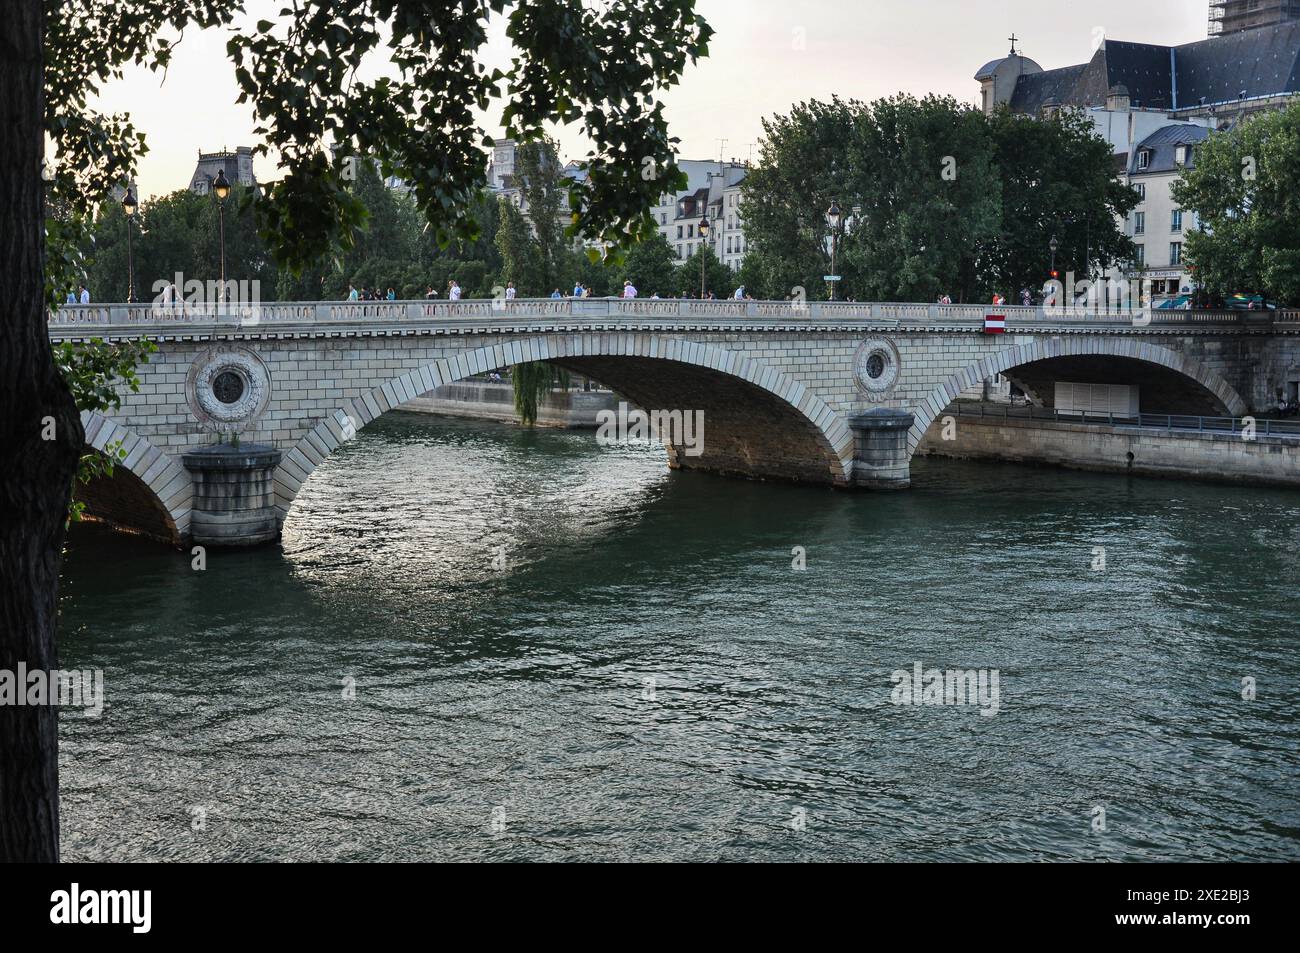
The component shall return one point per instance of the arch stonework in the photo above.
(834, 437)
(1046, 348)
(167, 481)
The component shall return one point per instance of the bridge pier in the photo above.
(234, 495)
(880, 460)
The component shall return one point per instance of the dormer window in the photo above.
(1144, 159)
(1180, 155)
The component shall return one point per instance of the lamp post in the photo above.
(703, 229)
(833, 216)
(221, 188)
(1053, 245)
(129, 205)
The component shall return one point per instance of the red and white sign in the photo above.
(995, 324)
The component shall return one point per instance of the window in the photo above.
(679, 231)
(663, 218)
(1141, 190)
(690, 231)
(1139, 223)
(1175, 253)
(1144, 158)
(1139, 256)
(1176, 220)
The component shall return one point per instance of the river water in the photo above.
(479, 642)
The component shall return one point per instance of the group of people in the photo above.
(80, 296)
(580, 290)
(371, 294)
(999, 299)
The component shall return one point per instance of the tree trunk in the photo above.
(35, 474)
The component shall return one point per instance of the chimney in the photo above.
(1117, 99)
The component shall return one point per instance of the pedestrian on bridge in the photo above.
(629, 290)
(453, 293)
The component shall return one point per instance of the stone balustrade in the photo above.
(69, 317)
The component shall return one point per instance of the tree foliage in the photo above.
(573, 64)
(545, 195)
(937, 197)
(1058, 180)
(1244, 186)
(521, 256)
(652, 267)
(718, 278)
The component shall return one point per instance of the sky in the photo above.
(766, 56)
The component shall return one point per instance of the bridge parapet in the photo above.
(134, 317)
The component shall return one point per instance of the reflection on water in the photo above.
(648, 678)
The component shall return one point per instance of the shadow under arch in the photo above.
(759, 421)
(149, 493)
(1182, 378)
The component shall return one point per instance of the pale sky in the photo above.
(766, 56)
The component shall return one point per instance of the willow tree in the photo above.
(572, 64)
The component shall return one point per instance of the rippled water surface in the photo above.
(648, 678)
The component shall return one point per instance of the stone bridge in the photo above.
(838, 394)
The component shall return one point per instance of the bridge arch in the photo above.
(1209, 383)
(802, 437)
(150, 492)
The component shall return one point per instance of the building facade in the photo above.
(1155, 105)
(238, 166)
(1232, 16)
(714, 188)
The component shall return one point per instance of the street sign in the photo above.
(830, 277)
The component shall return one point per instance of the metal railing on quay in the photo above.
(1183, 423)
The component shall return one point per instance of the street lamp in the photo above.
(1053, 245)
(703, 229)
(221, 188)
(833, 216)
(129, 205)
